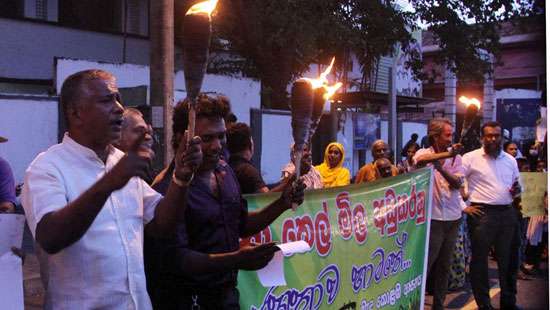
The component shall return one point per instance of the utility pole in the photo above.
(161, 33)
(392, 115)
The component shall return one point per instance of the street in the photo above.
(532, 293)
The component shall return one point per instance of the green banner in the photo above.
(532, 198)
(368, 248)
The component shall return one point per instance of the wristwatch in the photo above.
(182, 183)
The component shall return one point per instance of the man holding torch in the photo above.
(447, 204)
(200, 266)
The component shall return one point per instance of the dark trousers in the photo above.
(225, 299)
(533, 253)
(442, 243)
(497, 227)
(186, 298)
(516, 253)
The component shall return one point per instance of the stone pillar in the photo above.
(450, 96)
(488, 106)
(162, 78)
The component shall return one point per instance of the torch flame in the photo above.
(469, 101)
(203, 7)
(322, 81)
(331, 90)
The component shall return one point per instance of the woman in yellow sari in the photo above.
(332, 170)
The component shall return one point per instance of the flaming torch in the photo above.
(322, 91)
(301, 103)
(307, 100)
(472, 107)
(197, 30)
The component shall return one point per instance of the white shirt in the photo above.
(490, 179)
(312, 179)
(104, 269)
(447, 203)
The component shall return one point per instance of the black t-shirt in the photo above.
(248, 176)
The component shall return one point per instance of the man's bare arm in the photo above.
(171, 208)
(61, 228)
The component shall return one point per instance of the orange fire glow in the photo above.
(469, 101)
(322, 81)
(203, 7)
(331, 90)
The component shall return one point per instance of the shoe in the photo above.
(514, 307)
(528, 271)
(522, 276)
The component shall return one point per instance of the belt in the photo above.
(489, 206)
(208, 291)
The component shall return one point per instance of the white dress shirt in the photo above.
(490, 179)
(447, 203)
(104, 269)
(312, 179)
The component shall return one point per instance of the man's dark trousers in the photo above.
(498, 228)
(442, 244)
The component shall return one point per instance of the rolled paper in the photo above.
(471, 113)
(297, 168)
(301, 103)
(317, 112)
(469, 118)
(196, 41)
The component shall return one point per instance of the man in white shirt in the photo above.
(446, 202)
(87, 205)
(492, 177)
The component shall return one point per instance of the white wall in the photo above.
(345, 137)
(276, 140)
(127, 75)
(412, 127)
(243, 93)
(514, 93)
(31, 127)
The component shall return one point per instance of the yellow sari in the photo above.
(337, 176)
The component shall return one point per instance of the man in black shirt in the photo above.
(241, 148)
(199, 267)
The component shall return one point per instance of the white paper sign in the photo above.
(11, 270)
(11, 232)
(274, 274)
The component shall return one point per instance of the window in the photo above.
(11, 8)
(97, 15)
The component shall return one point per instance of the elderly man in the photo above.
(87, 205)
(447, 202)
(309, 174)
(492, 177)
(200, 267)
(368, 172)
(133, 127)
(7, 186)
(383, 168)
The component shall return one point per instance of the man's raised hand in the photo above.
(134, 164)
(188, 158)
(293, 191)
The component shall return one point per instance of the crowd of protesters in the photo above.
(111, 235)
